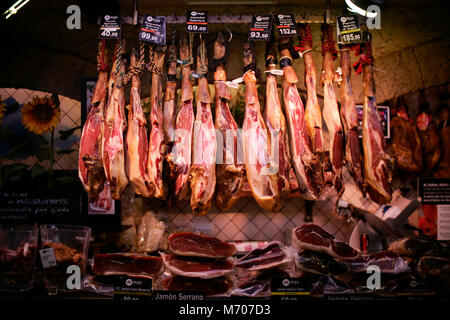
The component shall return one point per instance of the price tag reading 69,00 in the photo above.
(260, 28)
(197, 21)
(110, 27)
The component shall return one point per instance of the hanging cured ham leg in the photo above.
(313, 114)
(115, 124)
(353, 158)
(307, 167)
(90, 164)
(156, 150)
(203, 170)
(230, 171)
(276, 123)
(377, 168)
(261, 173)
(330, 108)
(180, 157)
(170, 105)
(137, 141)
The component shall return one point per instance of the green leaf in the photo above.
(44, 153)
(15, 171)
(12, 108)
(43, 141)
(65, 151)
(55, 99)
(17, 150)
(37, 170)
(65, 134)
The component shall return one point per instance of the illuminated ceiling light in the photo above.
(15, 8)
(354, 8)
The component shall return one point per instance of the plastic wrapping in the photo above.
(270, 256)
(127, 263)
(387, 261)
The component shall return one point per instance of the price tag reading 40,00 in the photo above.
(286, 25)
(348, 30)
(110, 27)
(261, 28)
(153, 30)
(197, 21)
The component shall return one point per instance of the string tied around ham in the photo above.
(136, 70)
(305, 39)
(364, 50)
(328, 44)
(151, 66)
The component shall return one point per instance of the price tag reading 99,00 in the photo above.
(153, 30)
(260, 28)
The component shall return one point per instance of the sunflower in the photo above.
(40, 115)
(2, 109)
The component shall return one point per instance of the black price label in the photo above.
(197, 21)
(290, 289)
(384, 115)
(110, 27)
(348, 30)
(261, 28)
(286, 25)
(434, 191)
(153, 30)
(131, 289)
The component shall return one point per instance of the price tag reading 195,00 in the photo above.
(348, 30)
(197, 21)
(261, 28)
(110, 27)
(286, 25)
(153, 30)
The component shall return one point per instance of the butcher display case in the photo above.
(261, 154)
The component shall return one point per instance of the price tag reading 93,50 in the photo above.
(110, 27)
(197, 21)
(261, 28)
(153, 30)
(286, 25)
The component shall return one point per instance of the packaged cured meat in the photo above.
(196, 245)
(127, 264)
(271, 256)
(387, 261)
(319, 263)
(197, 267)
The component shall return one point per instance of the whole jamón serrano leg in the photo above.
(313, 114)
(113, 140)
(90, 164)
(203, 170)
(136, 139)
(308, 170)
(261, 174)
(156, 150)
(276, 124)
(170, 105)
(180, 157)
(353, 158)
(229, 172)
(377, 168)
(331, 109)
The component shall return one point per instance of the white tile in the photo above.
(250, 230)
(270, 230)
(230, 230)
(260, 219)
(280, 220)
(221, 220)
(240, 219)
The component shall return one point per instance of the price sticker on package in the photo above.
(197, 21)
(47, 258)
(348, 30)
(286, 25)
(153, 30)
(261, 28)
(110, 27)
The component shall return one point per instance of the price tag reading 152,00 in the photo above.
(286, 25)
(260, 28)
(197, 21)
(110, 27)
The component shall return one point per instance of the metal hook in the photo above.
(229, 31)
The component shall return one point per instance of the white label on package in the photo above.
(443, 222)
(47, 258)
